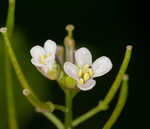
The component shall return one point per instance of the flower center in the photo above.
(43, 58)
(85, 74)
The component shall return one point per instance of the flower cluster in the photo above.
(83, 71)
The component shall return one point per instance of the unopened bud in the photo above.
(60, 54)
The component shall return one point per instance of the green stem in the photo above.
(9, 93)
(87, 115)
(40, 106)
(104, 104)
(60, 108)
(11, 17)
(68, 114)
(9, 88)
(116, 83)
(27, 91)
(54, 119)
(120, 104)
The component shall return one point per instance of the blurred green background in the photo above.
(105, 27)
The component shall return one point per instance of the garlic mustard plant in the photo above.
(72, 69)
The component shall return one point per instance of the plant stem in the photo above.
(9, 93)
(20, 75)
(33, 99)
(60, 108)
(11, 17)
(103, 105)
(116, 83)
(120, 104)
(68, 114)
(8, 75)
(54, 119)
(85, 116)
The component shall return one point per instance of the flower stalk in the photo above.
(9, 94)
(54, 119)
(68, 114)
(8, 74)
(120, 104)
(103, 105)
(11, 17)
(40, 106)
(120, 75)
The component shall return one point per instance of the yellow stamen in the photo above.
(86, 76)
(85, 68)
(80, 73)
(42, 60)
(81, 81)
(90, 72)
(47, 55)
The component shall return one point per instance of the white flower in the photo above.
(44, 58)
(85, 71)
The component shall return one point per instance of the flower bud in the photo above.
(60, 54)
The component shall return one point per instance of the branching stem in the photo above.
(53, 118)
(120, 104)
(110, 93)
(33, 99)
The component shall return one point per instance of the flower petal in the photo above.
(45, 69)
(88, 85)
(83, 56)
(36, 62)
(101, 66)
(71, 70)
(50, 47)
(51, 63)
(37, 52)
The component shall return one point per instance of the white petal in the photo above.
(51, 64)
(71, 70)
(37, 52)
(88, 85)
(50, 47)
(101, 66)
(49, 59)
(45, 69)
(36, 62)
(83, 56)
